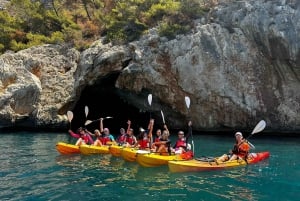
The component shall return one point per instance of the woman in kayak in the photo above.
(98, 138)
(131, 140)
(240, 149)
(83, 136)
(121, 140)
(162, 143)
(145, 138)
(156, 139)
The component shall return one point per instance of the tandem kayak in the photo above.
(93, 149)
(156, 159)
(65, 148)
(207, 164)
(130, 154)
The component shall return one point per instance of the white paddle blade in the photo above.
(150, 99)
(88, 122)
(108, 117)
(187, 101)
(86, 111)
(259, 127)
(70, 116)
(163, 117)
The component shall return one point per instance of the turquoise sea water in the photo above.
(32, 169)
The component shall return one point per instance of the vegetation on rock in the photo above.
(26, 23)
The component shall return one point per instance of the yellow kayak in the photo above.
(156, 159)
(130, 154)
(115, 150)
(195, 165)
(65, 148)
(92, 149)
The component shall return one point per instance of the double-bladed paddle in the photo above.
(259, 127)
(188, 103)
(163, 117)
(91, 121)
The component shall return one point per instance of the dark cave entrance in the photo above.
(103, 100)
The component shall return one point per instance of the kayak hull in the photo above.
(195, 165)
(92, 149)
(130, 154)
(156, 159)
(65, 148)
(116, 150)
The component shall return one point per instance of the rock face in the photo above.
(241, 64)
(36, 85)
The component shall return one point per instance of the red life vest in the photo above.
(144, 143)
(122, 138)
(130, 140)
(85, 138)
(180, 143)
(104, 140)
(157, 139)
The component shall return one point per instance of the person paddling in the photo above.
(240, 149)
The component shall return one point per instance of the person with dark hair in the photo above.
(82, 135)
(121, 139)
(131, 140)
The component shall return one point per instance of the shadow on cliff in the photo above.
(103, 100)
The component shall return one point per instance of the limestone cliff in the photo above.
(239, 65)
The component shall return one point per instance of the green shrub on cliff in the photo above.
(26, 23)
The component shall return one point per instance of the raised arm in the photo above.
(166, 129)
(150, 130)
(74, 134)
(128, 127)
(101, 125)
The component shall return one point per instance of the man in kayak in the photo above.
(181, 144)
(83, 136)
(106, 137)
(240, 149)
